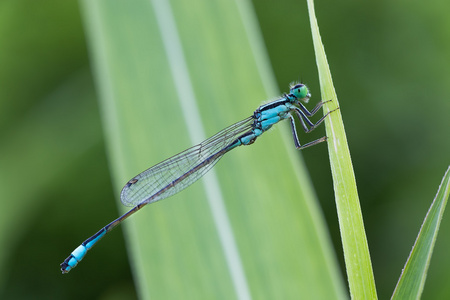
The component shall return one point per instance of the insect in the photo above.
(178, 172)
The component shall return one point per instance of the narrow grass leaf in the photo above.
(354, 241)
(412, 279)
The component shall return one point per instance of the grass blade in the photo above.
(412, 279)
(354, 241)
(175, 247)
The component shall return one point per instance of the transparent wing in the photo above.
(185, 168)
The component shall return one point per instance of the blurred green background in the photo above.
(390, 63)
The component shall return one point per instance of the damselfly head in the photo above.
(301, 92)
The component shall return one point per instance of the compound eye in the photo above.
(300, 91)
(298, 86)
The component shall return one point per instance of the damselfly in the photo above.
(178, 172)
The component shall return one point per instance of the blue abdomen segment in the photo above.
(248, 139)
(78, 254)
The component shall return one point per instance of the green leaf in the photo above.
(412, 279)
(354, 241)
(169, 75)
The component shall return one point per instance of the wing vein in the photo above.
(181, 170)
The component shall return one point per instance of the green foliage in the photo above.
(412, 280)
(169, 86)
(55, 180)
(354, 241)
